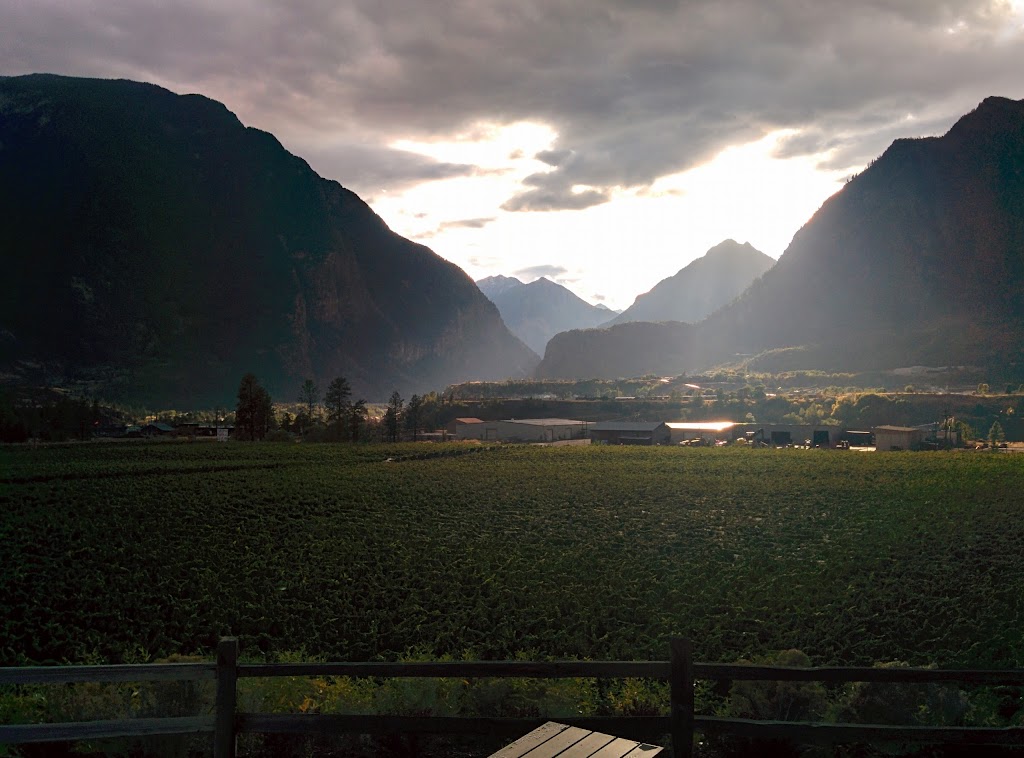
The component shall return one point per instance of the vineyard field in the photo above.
(128, 552)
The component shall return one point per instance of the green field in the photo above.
(128, 552)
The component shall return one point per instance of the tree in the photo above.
(412, 416)
(963, 431)
(254, 413)
(286, 422)
(996, 434)
(982, 389)
(357, 413)
(393, 415)
(309, 396)
(337, 401)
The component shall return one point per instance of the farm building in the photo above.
(898, 438)
(523, 430)
(471, 429)
(707, 431)
(452, 427)
(781, 435)
(630, 433)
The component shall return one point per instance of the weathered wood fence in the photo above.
(681, 723)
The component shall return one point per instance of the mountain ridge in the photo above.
(185, 249)
(918, 260)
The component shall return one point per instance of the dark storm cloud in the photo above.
(856, 143)
(468, 223)
(553, 157)
(369, 168)
(635, 90)
(536, 272)
(555, 199)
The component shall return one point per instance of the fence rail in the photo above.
(680, 671)
(141, 672)
(23, 734)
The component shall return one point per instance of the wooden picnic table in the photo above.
(554, 739)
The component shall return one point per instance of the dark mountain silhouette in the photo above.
(919, 260)
(702, 287)
(535, 312)
(156, 249)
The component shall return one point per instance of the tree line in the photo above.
(345, 419)
(334, 416)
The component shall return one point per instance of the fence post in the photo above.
(681, 697)
(227, 678)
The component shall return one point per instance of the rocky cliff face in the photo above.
(156, 249)
(919, 260)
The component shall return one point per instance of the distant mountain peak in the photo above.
(538, 310)
(731, 247)
(701, 287)
(495, 285)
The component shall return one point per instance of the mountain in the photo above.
(702, 287)
(919, 260)
(155, 250)
(492, 286)
(537, 311)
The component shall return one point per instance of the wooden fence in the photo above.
(681, 723)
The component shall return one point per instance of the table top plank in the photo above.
(644, 751)
(559, 743)
(587, 746)
(528, 742)
(554, 740)
(621, 747)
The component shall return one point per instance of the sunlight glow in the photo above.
(486, 144)
(614, 251)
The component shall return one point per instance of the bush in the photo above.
(771, 701)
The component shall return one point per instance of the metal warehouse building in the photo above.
(708, 431)
(898, 438)
(523, 430)
(630, 433)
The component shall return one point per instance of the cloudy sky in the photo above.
(602, 143)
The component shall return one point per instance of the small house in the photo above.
(157, 429)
